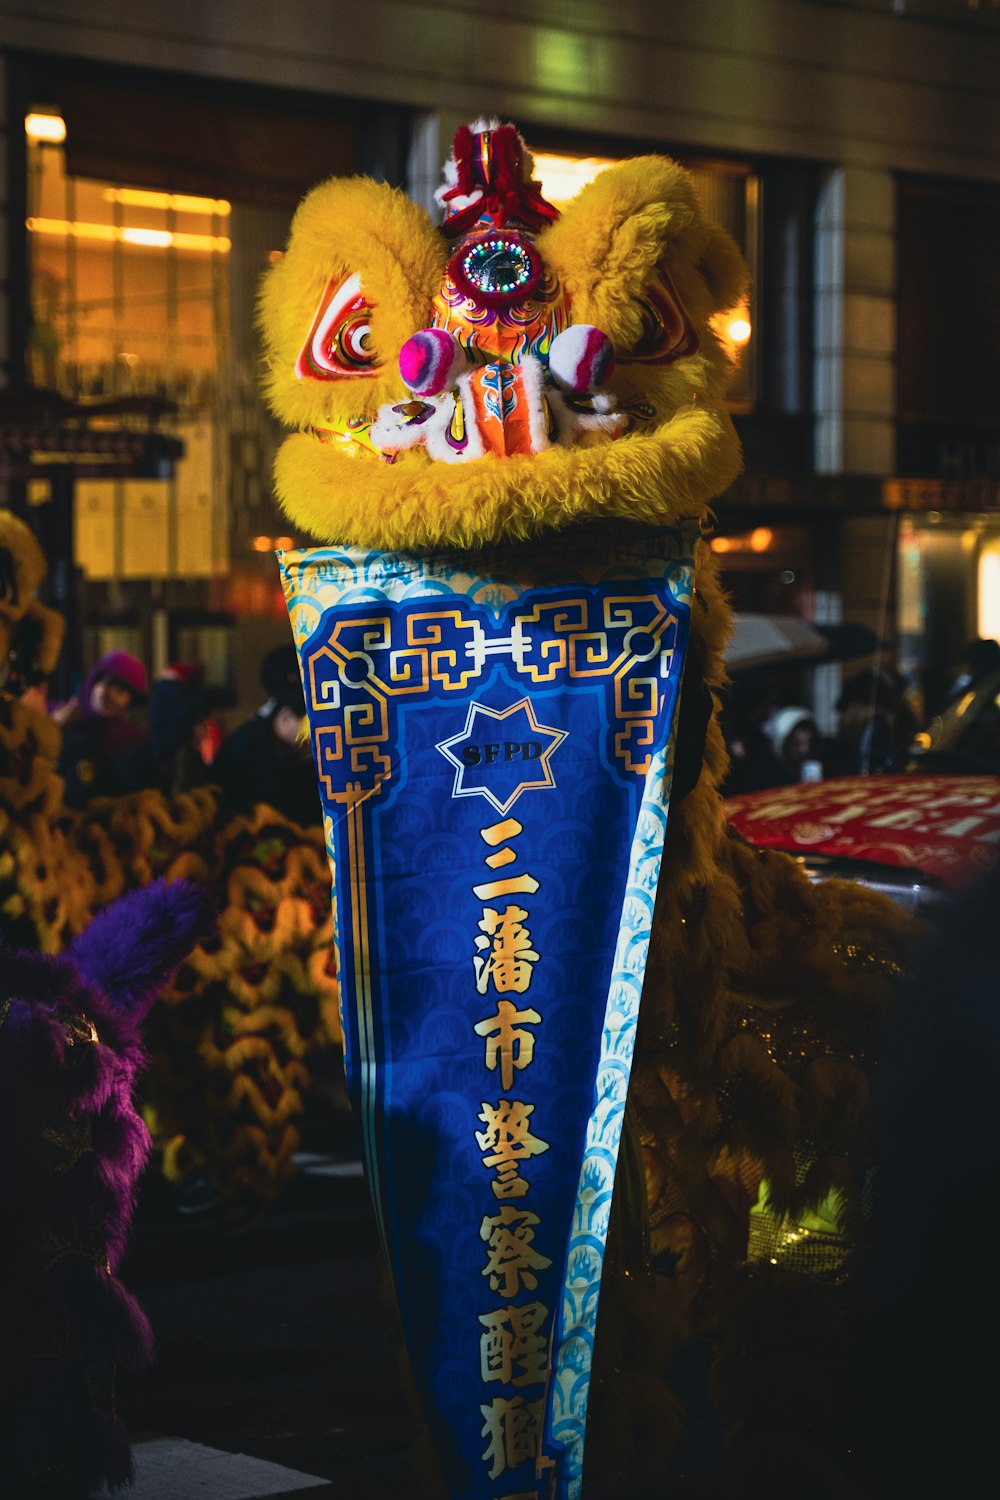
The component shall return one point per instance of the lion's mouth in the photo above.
(499, 409)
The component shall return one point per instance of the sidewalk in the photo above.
(278, 1352)
(170, 1467)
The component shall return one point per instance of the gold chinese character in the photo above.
(509, 1141)
(511, 956)
(511, 885)
(496, 834)
(512, 1260)
(512, 1339)
(513, 1427)
(514, 1047)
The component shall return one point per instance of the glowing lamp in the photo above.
(45, 127)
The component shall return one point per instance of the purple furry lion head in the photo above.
(70, 1050)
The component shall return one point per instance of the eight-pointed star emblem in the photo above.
(501, 753)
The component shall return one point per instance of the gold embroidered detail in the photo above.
(781, 1243)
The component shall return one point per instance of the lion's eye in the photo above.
(353, 339)
(339, 341)
(667, 331)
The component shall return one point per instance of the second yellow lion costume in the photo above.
(230, 1040)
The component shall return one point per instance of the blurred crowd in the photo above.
(773, 742)
(122, 733)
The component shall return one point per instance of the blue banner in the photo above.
(492, 740)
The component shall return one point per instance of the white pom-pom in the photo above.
(581, 358)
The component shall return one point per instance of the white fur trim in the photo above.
(532, 384)
(571, 423)
(391, 433)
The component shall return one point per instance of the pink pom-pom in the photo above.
(581, 358)
(431, 361)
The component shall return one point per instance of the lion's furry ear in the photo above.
(722, 267)
(23, 567)
(358, 277)
(31, 630)
(634, 220)
(608, 242)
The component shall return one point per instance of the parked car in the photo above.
(925, 826)
(916, 837)
(964, 738)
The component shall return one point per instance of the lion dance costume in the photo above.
(509, 429)
(230, 1046)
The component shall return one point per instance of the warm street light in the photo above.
(45, 127)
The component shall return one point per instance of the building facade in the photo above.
(853, 148)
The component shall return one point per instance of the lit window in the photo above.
(130, 297)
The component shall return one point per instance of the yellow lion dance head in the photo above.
(512, 370)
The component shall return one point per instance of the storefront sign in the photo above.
(941, 494)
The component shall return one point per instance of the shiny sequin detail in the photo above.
(498, 265)
(779, 1243)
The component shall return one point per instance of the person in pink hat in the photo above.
(99, 730)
